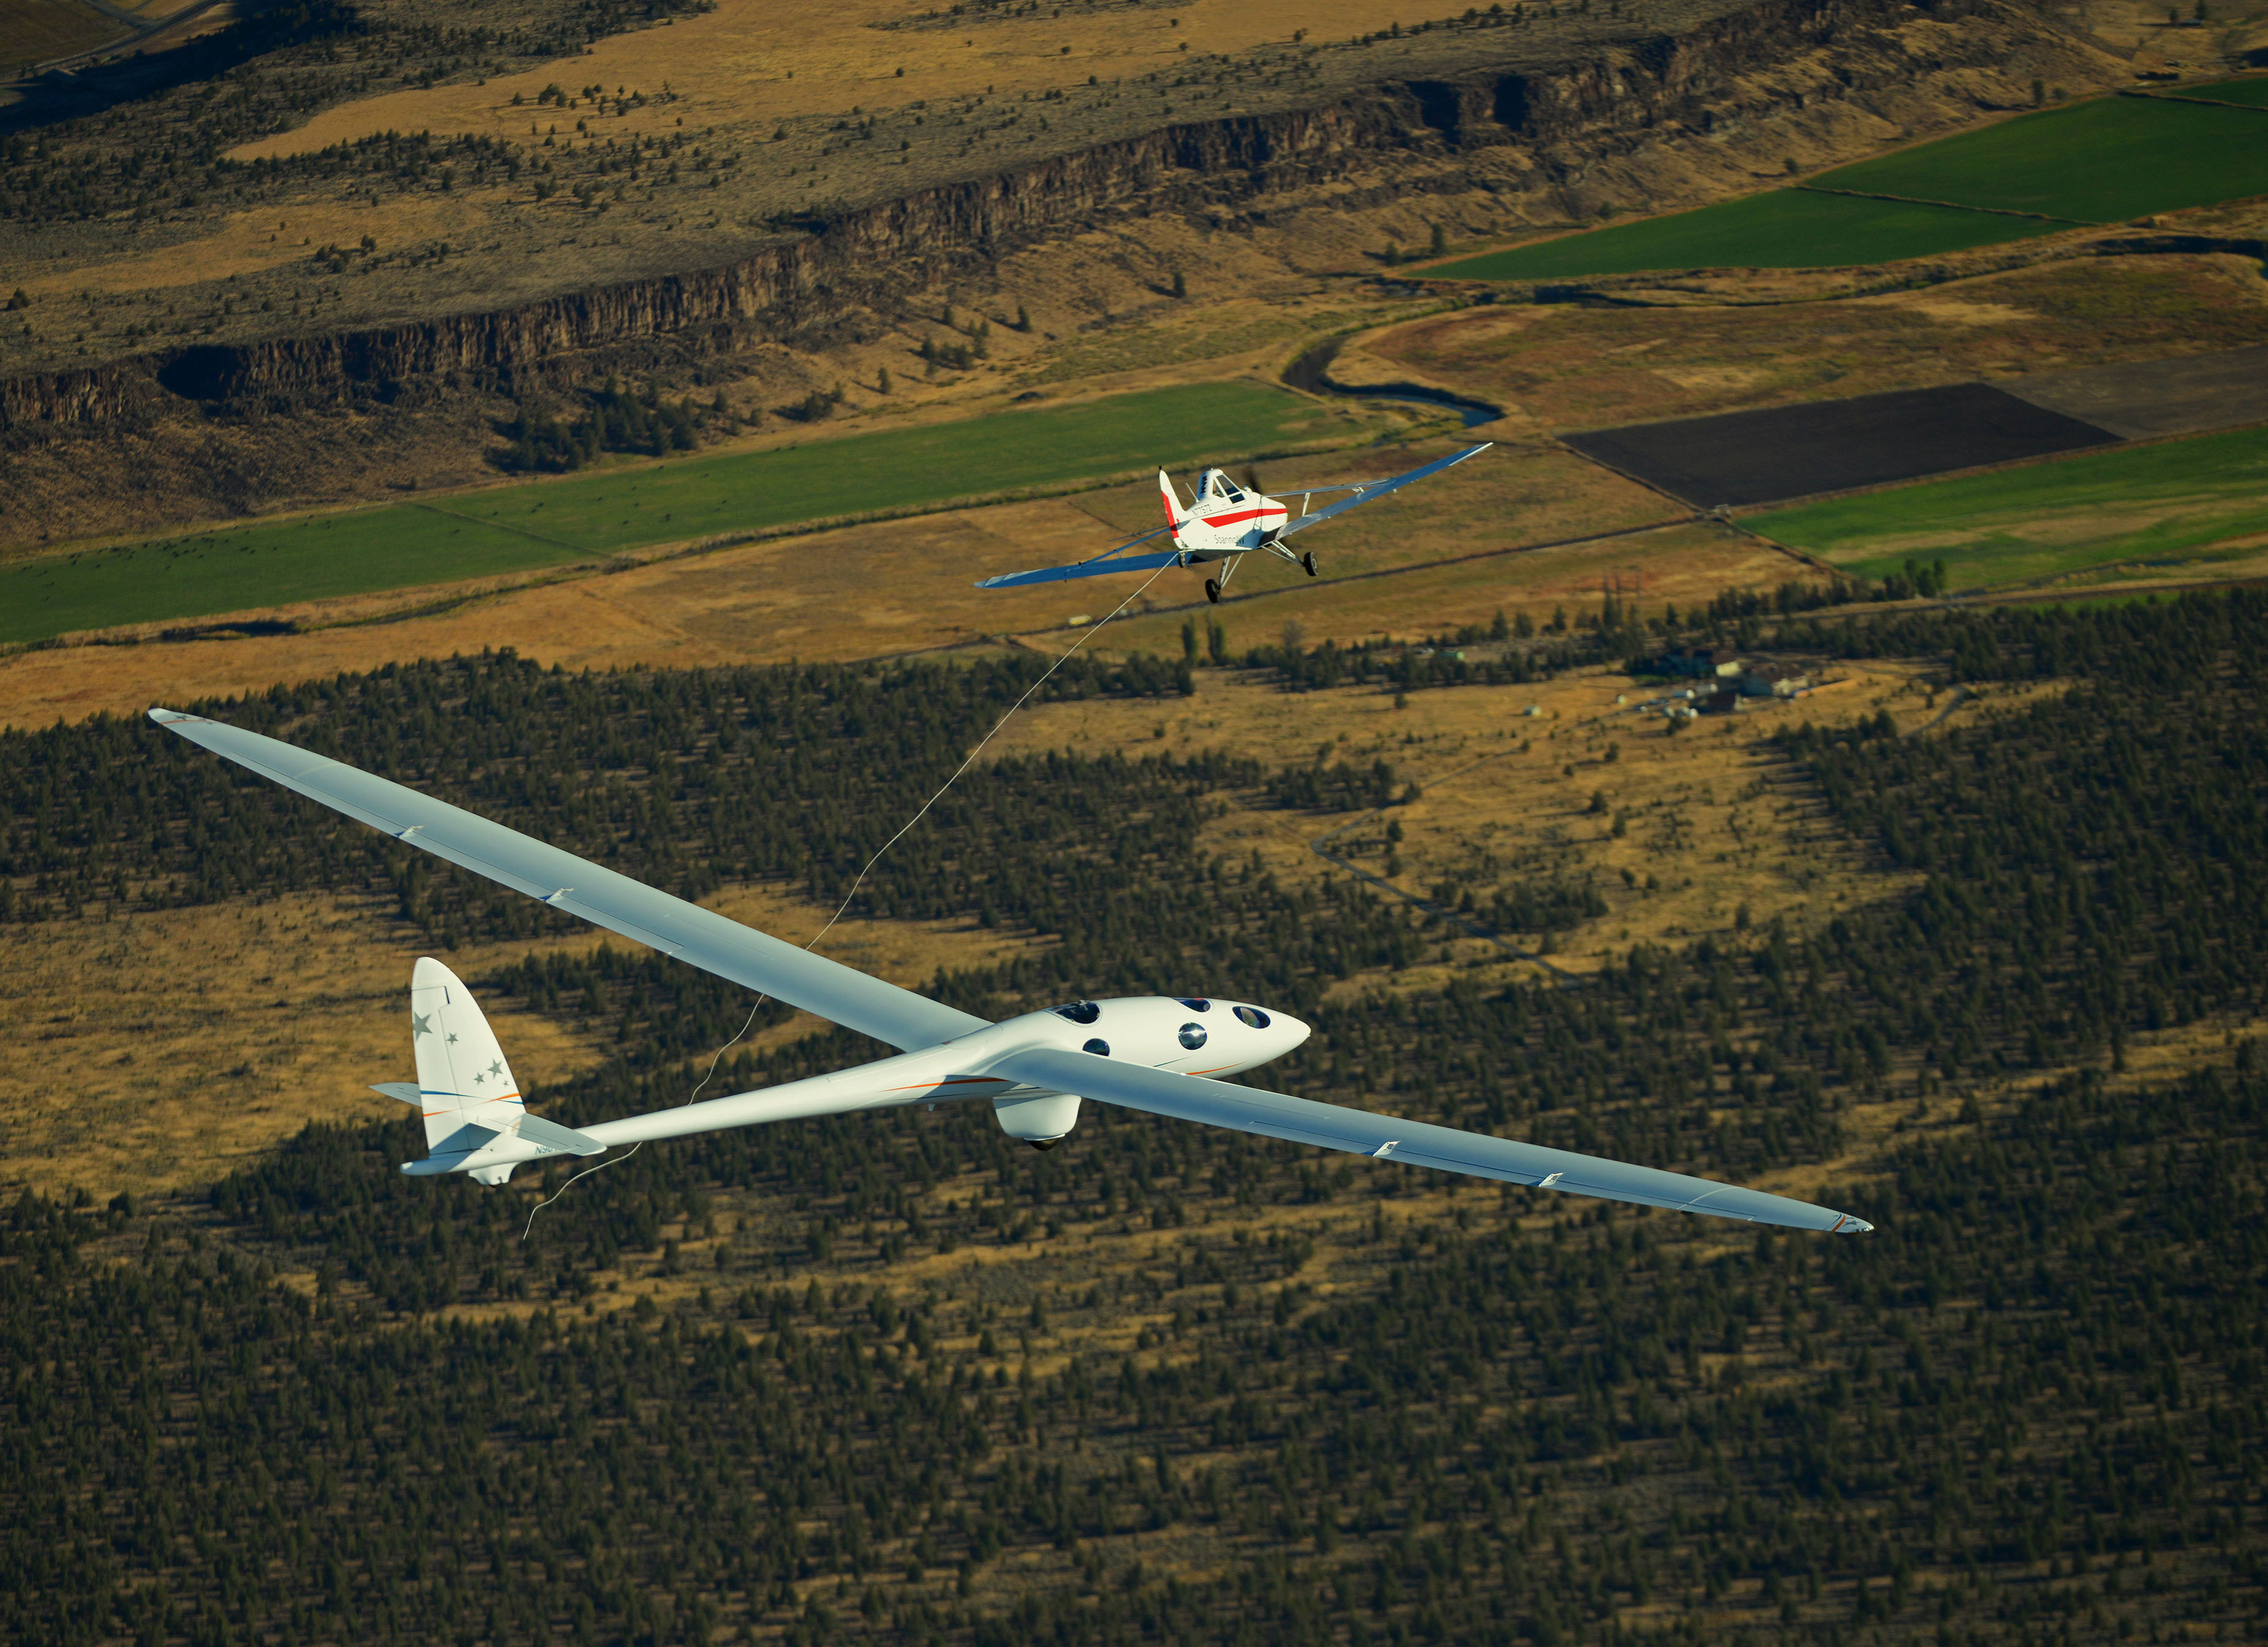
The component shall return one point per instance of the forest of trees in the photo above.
(2030, 1408)
(612, 419)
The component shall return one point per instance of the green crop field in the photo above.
(34, 31)
(2100, 162)
(2254, 91)
(537, 524)
(1784, 229)
(2171, 504)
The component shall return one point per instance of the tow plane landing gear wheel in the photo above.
(1309, 560)
(1212, 591)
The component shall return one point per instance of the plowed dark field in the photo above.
(1834, 445)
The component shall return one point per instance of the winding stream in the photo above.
(1312, 371)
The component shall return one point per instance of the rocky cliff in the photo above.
(1561, 122)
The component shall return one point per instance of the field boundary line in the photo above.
(1725, 518)
(1950, 205)
(979, 500)
(474, 520)
(2177, 97)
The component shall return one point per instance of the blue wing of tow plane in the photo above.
(1097, 567)
(1364, 493)
(1107, 561)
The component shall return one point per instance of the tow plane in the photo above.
(1163, 1055)
(1226, 523)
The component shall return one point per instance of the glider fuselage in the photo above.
(1187, 1035)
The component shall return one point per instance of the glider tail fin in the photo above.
(1173, 507)
(466, 1089)
(474, 1121)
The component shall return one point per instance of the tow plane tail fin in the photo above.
(1174, 516)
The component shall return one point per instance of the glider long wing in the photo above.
(1417, 1143)
(1367, 494)
(700, 938)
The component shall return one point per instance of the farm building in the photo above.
(1702, 662)
(1773, 680)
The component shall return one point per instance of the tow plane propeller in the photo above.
(1161, 1054)
(1226, 523)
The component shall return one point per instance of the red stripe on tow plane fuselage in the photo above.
(1238, 520)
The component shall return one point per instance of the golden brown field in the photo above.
(757, 62)
(1564, 368)
(162, 1051)
(1707, 815)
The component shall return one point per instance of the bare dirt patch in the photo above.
(1837, 445)
(168, 1048)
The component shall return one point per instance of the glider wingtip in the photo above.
(1845, 1224)
(164, 716)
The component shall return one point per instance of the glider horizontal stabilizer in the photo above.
(552, 1135)
(561, 1140)
(700, 938)
(1412, 1143)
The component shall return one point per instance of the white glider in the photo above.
(1161, 1054)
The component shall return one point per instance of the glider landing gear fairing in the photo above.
(1161, 1054)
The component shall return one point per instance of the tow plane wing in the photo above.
(1369, 491)
(1246, 523)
